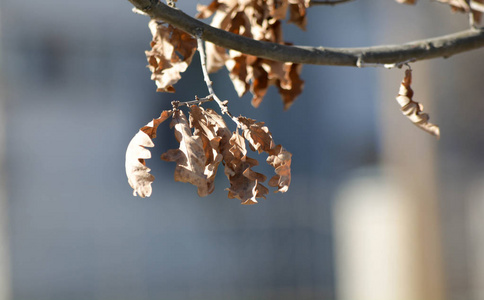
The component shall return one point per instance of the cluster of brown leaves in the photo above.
(412, 109)
(259, 20)
(171, 53)
(205, 142)
(456, 5)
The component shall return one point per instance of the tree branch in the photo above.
(444, 46)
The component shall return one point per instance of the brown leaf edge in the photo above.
(412, 109)
(245, 184)
(260, 140)
(202, 151)
(260, 21)
(137, 172)
(171, 53)
(189, 157)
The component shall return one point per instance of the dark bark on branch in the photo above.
(444, 46)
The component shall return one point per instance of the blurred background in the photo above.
(377, 208)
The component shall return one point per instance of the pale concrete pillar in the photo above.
(376, 249)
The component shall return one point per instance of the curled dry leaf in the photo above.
(297, 12)
(138, 174)
(245, 184)
(258, 135)
(171, 53)
(206, 129)
(280, 159)
(291, 85)
(260, 20)
(412, 109)
(201, 152)
(237, 67)
(189, 157)
(260, 139)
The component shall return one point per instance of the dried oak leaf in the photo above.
(280, 159)
(285, 76)
(171, 53)
(277, 8)
(237, 67)
(260, 20)
(245, 184)
(205, 11)
(206, 129)
(291, 85)
(260, 139)
(258, 135)
(138, 174)
(412, 109)
(189, 157)
(260, 82)
(297, 12)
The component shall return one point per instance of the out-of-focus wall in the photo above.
(77, 90)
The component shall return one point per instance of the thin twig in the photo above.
(222, 104)
(193, 102)
(444, 46)
(327, 2)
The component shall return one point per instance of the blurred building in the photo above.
(75, 90)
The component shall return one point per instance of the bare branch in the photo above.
(444, 46)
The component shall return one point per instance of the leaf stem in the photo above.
(222, 104)
(197, 100)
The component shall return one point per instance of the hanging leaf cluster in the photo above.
(260, 20)
(205, 142)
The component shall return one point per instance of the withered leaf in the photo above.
(171, 53)
(412, 109)
(237, 67)
(292, 85)
(277, 8)
(260, 20)
(297, 12)
(260, 84)
(138, 174)
(205, 11)
(280, 159)
(260, 139)
(189, 157)
(258, 135)
(206, 129)
(245, 184)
